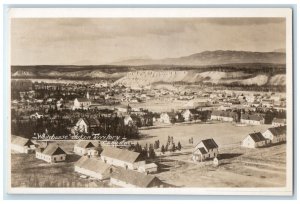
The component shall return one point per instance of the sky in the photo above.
(96, 41)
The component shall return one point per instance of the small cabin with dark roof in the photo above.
(190, 114)
(51, 154)
(254, 140)
(205, 149)
(278, 122)
(276, 134)
(252, 119)
(87, 125)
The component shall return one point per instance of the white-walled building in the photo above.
(168, 117)
(128, 120)
(205, 149)
(93, 167)
(254, 140)
(148, 168)
(190, 114)
(21, 144)
(278, 122)
(227, 116)
(276, 134)
(81, 103)
(51, 154)
(122, 158)
(86, 125)
(133, 179)
(254, 119)
(85, 147)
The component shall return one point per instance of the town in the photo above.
(150, 135)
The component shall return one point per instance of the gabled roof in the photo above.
(202, 150)
(93, 164)
(278, 130)
(255, 117)
(121, 154)
(257, 137)
(127, 117)
(84, 144)
(133, 177)
(224, 113)
(83, 100)
(279, 120)
(192, 111)
(53, 149)
(170, 114)
(151, 165)
(209, 144)
(124, 106)
(90, 121)
(21, 141)
(81, 161)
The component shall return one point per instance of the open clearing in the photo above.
(238, 167)
(225, 134)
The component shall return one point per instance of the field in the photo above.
(225, 134)
(239, 167)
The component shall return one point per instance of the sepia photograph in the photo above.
(155, 101)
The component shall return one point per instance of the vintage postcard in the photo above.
(151, 101)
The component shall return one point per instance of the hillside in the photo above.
(212, 58)
(145, 78)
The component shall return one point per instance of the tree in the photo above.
(172, 148)
(151, 152)
(179, 146)
(163, 149)
(167, 147)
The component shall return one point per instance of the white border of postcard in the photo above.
(172, 13)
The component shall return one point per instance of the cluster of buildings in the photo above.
(121, 167)
(273, 135)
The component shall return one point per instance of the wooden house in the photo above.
(51, 154)
(21, 144)
(133, 179)
(93, 167)
(276, 134)
(205, 149)
(254, 140)
(122, 157)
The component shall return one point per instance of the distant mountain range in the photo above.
(213, 58)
